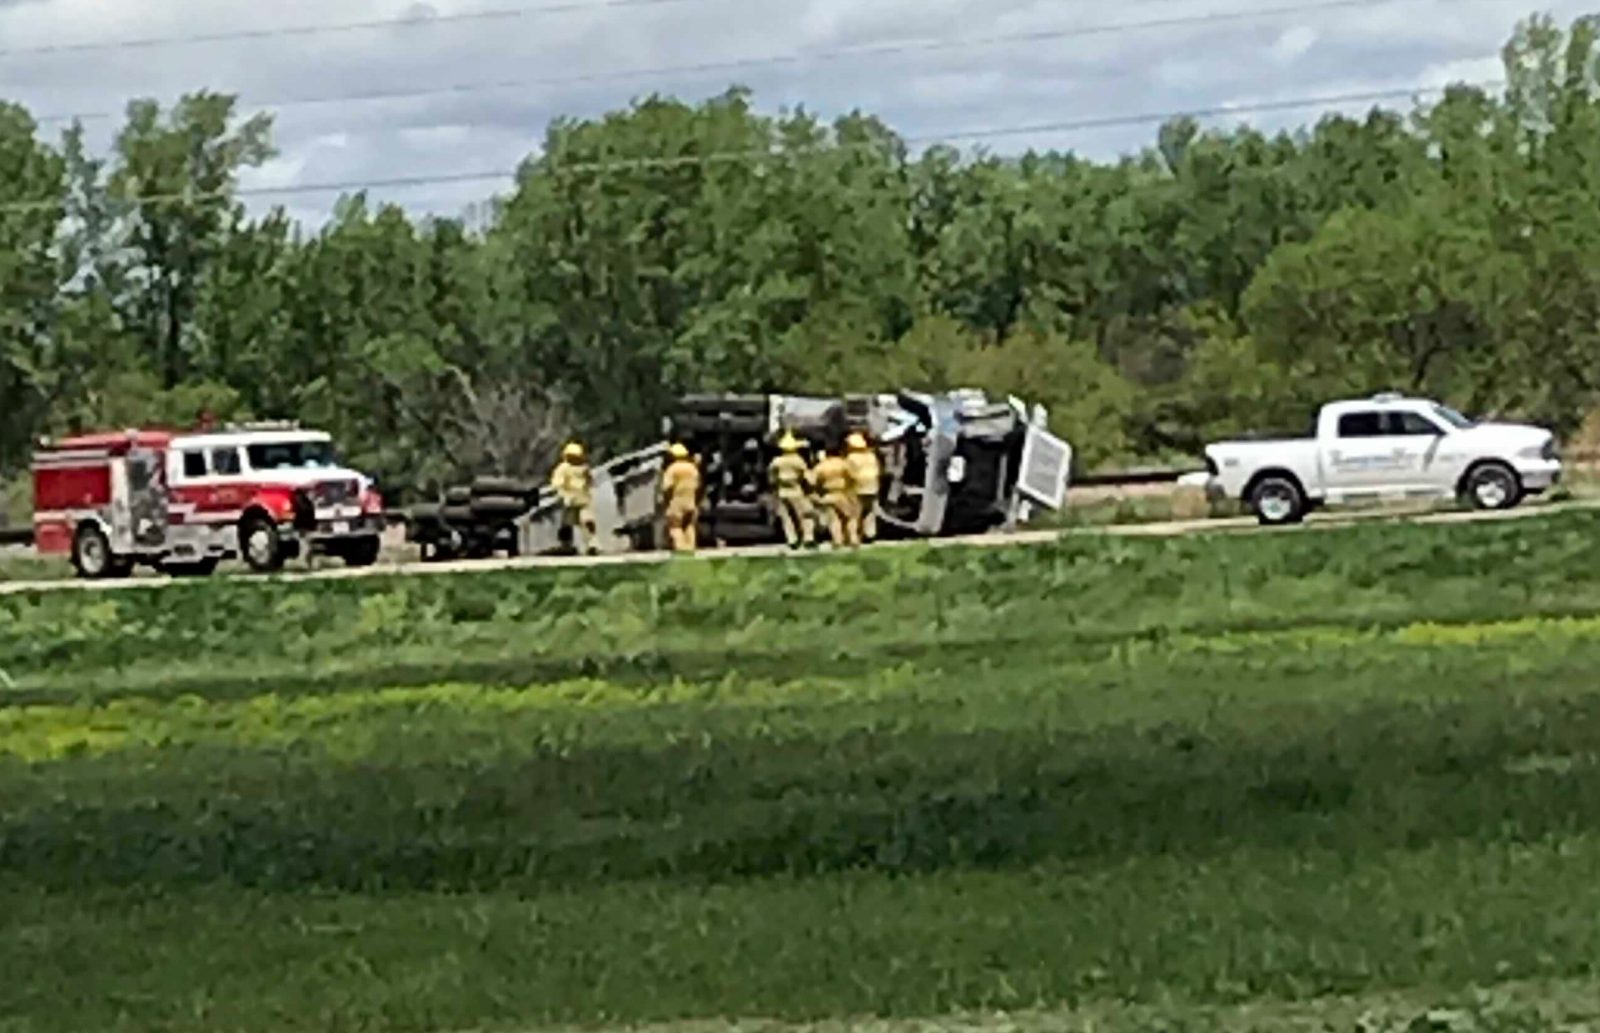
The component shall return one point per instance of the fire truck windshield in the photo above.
(292, 455)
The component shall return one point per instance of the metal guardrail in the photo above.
(1131, 478)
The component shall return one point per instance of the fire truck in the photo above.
(181, 502)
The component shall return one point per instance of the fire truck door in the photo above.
(146, 525)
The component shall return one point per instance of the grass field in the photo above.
(1256, 782)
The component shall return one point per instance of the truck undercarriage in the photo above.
(954, 463)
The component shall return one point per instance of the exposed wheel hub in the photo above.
(1491, 490)
(92, 554)
(1276, 502)
(259, 545)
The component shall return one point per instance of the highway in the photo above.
(1165, 529)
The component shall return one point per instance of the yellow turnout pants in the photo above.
(866, 518)
(794, 511)
(580, 518)
(682, 526)
(843, 522)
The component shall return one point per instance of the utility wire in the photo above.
(887, 49)
(754, 154)
(290, 31)
(366, 25)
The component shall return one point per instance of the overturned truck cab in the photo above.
(959, 463)
(956, 463)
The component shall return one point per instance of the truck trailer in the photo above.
(954, 463)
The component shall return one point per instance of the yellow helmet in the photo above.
(789, 443)
(677, 451)
(857, 442)
(572, 451)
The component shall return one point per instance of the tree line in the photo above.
(1218, 282)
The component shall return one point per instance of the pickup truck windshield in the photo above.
(293, 455)
(1455, 419)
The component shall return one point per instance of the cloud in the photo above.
(1487, 68)
(1294, 43)
(551, 64)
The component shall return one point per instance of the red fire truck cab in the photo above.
(181, 502)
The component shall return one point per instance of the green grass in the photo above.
(23, 564)
(1525, 1007)
(19, 563)
(1155, 930)
(1149, 781)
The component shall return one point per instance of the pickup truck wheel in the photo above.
(261, 545)
(1278, 501)
(1493, 486)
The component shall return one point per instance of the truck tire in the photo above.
(91, 553)
(1492, 486)
(453, 514)
(424, 513)
(260, 544)
(1277, 501)
(189, 568)
(361, 552)
(490, 487)
(460, 495)
(444, 548)
(492, 509)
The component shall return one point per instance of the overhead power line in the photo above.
(365, 25)
(801, 57)
(1254, 108)
(718, 157)
(494, 14)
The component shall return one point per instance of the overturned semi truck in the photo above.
(954, 463)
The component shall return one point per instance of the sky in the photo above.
(483, 78)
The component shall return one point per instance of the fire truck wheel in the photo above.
(260, 544)
(91, 553)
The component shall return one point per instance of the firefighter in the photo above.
(866, 474)
(573, 481)
(680, 494)
(832, 479)
(791, 482)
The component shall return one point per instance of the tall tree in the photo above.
(179, 174)
(31, 186)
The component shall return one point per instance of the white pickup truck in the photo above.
(1385, 446)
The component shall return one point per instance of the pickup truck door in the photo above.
(1428, 449)
(1376, 451)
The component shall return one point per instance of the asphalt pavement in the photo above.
(1164, 529)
